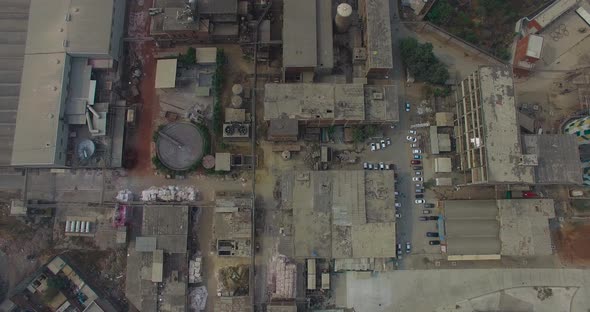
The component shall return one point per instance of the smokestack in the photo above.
(343, 17)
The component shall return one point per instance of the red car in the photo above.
(416, 162)
(526, 194)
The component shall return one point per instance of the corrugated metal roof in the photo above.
(300, 33)
(166, 73)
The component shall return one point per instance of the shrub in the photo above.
(421, 62)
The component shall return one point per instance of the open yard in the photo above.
(486, 23)
(572, 244)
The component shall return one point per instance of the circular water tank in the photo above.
(237, 89)
(209, 162)
(343, 17)
(236, 101)
(286, 155)
(180, 145)
(85, 149)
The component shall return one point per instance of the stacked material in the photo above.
(169, 193)
(194, 271)
(198, 298)
(282, 278)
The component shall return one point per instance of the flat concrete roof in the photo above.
(300, 45)
(501, 135)
(169, 224)
(445, 119)
(379, 46)
(331, 209)
(40, 109)
(472, 227)
(85, 26)
(525, 226)
(206, 55)
(166, 73)
(222, 162)
(283, 127)
(145, 243)
(558, 158)
(381, 103)
(310, 100)
(14, 15)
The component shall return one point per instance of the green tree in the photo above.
(190, 58)
(421, 61)
(441, 13)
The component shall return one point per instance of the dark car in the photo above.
(422, 219)
(417, 167)
(419, 191)
(428, 205)
(431, 234)
(419, 195)
(432, 218)
(434, 242)
(416, 162)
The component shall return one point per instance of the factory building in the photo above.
(376, 37)
(68, 42)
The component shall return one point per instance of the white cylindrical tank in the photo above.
(67, 226)
(343, 17)
(87, 227)
(236, 101)
(237, 89)
(72, 226)
(78, 226)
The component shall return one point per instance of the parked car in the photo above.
(416, 162)
(419, 190)
(432, 218)
(383, 144)
(419, 196)
(370, 166)
(418, 185)
(407, 106)
(417, 167)
(365, 165)
(411, 138)
(431, 234)
(528, 194)
(426, 211)
(416, 156)
(434, 242)
(396, 193)
(373, 147)
(417, 151)
(419, 201)
(399, 249)
(381, 166)
(408, 247)
(387, 167)
(397, 205)
(412, 131)
(417, 179)
(398, 215)
(375, 166)
(387, 141)
(415, 145)
(422, 218)
(377, 146)
(429, 205)
(418, 173)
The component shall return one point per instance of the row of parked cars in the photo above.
(379, 166)
(375, 146)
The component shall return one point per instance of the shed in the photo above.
(206, 56)
(166, 73)
(442, 164)
(222, 162)
(311, 274)
(325, 280)
(444, 142)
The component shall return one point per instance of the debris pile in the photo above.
(169, 193)
(198, 298)
(282, 278)
(194, 270)
(233, 281)
(124, 196)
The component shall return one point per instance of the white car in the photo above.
(418, 185)
(415, 145)
(370, 166)
(396, 193)
(412, 131)
(398, 215)
(387, 167)
(417, 179)
(419, 201)
(365, 165)
(398, 205)
(411, 138)
(388, 141)
(417, 151)
(383, 144)
(408, 247)
(373, 147)
(381, 166)
(418, 172)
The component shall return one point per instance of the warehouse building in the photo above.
(486, 130)
(376, 18)
(324, 104)
(556, 158)
(307, 39)
(490, 229)
(67, 42)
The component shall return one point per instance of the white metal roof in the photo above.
(166, 73)
(534, 46)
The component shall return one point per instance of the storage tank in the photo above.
(343, 17)
(236, 101)
(67, 226)
(237, 89)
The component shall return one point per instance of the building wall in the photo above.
(118, 28)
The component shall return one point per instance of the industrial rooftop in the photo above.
(378, 32)
(304, 101)
(300, 43)
(557, 158)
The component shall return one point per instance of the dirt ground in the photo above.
(572, 244)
